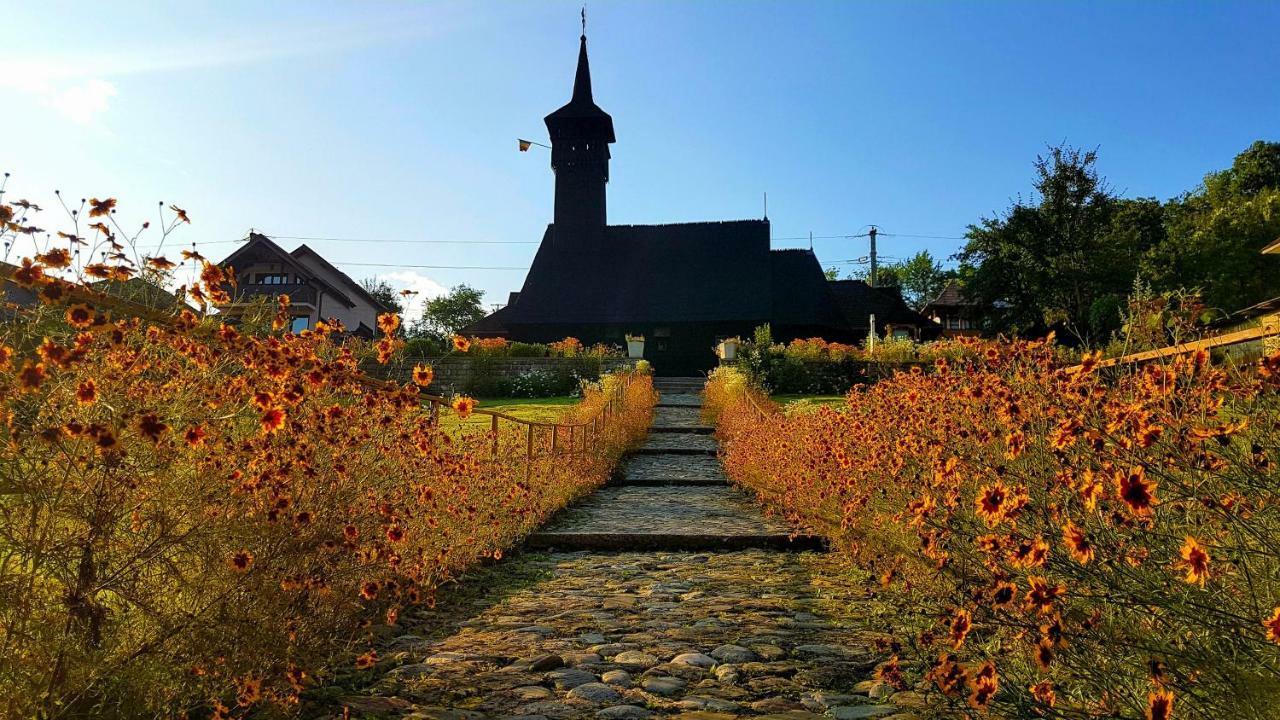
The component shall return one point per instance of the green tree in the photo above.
(1215, 233)
(446, 315)
(919, 278)
(1054, 262)
(382, 291)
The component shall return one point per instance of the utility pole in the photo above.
(872, 234)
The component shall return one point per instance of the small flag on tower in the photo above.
(524, 145)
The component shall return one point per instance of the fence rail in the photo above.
(1270, 328)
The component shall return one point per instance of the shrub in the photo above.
(198, 520)
(1056, 542)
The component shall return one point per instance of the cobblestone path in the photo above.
(665, 595)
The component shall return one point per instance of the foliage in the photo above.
(382, 291)
(448, 314)
(1054, 262)
(920, 278)
(200, 520)
(1215, 234)
(1067, 257)
(1063, 544)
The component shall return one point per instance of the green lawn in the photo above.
(830, 400)
(535, 409)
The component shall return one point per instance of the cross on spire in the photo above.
(584, 21)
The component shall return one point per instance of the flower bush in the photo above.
(1058, 542)
(197, 519)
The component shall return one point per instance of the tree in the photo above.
(1215, 233)
(382, 291)
(919, 278)
(1051, 263)
(446, 315)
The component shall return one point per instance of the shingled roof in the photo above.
(687, 272)
(857, 301)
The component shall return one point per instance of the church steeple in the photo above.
(580, 136)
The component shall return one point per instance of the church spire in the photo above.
(582, 81)
(580, 136)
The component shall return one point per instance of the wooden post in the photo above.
(528, 453)
(493, 427)
(1271, 325)
(555, 437)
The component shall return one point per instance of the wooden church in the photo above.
(683, 286)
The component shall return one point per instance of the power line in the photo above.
(430, 267)
(411, 242)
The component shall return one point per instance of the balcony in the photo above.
(298, 293)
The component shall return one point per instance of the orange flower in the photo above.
(55, 258)
(1136, 491)
(423, 375)
(1044, 654)
(991, 503)
(369, 590)
(388, 323)
(461, 344)
(961, 624)
(463, 405)
(241, 561)
(151, 427)
(194, 436)
(1030, 553)
(1043, 693)
(890, 673)
(1003, 594)
(1077, 543)
(1272, 625)
(79, 316)
(1159, 705)
(367, 660)
(1090, 489)
(6, 357)
(983, 685)
(87, 392)
(395, 534)
(31, 375)
(1042, 595)
(98, 208)
(1196, 561)
(30, 274)
(272, 420)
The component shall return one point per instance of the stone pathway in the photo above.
(664, 594)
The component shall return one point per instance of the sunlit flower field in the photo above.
(196, 518)
(1061, 541)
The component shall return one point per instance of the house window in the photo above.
(953, 323)
(300, 323)
(901, 334)
(273, 279)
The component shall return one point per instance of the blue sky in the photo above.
(397, 121)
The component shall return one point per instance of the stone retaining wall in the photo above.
(459, 373)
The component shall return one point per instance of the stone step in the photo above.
(677, 417)
(654, 481)
(680, 517)
(686, 429)
(679, 444)
(668, 467)
(709, 452)
(672, 542)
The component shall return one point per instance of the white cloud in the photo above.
(423, 285)
(84, 102)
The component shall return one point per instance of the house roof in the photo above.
(801, 293)
(686, 272)
(1272, 248)
(262, 249)
(857, 301)
(951, 296)
(345, 279)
